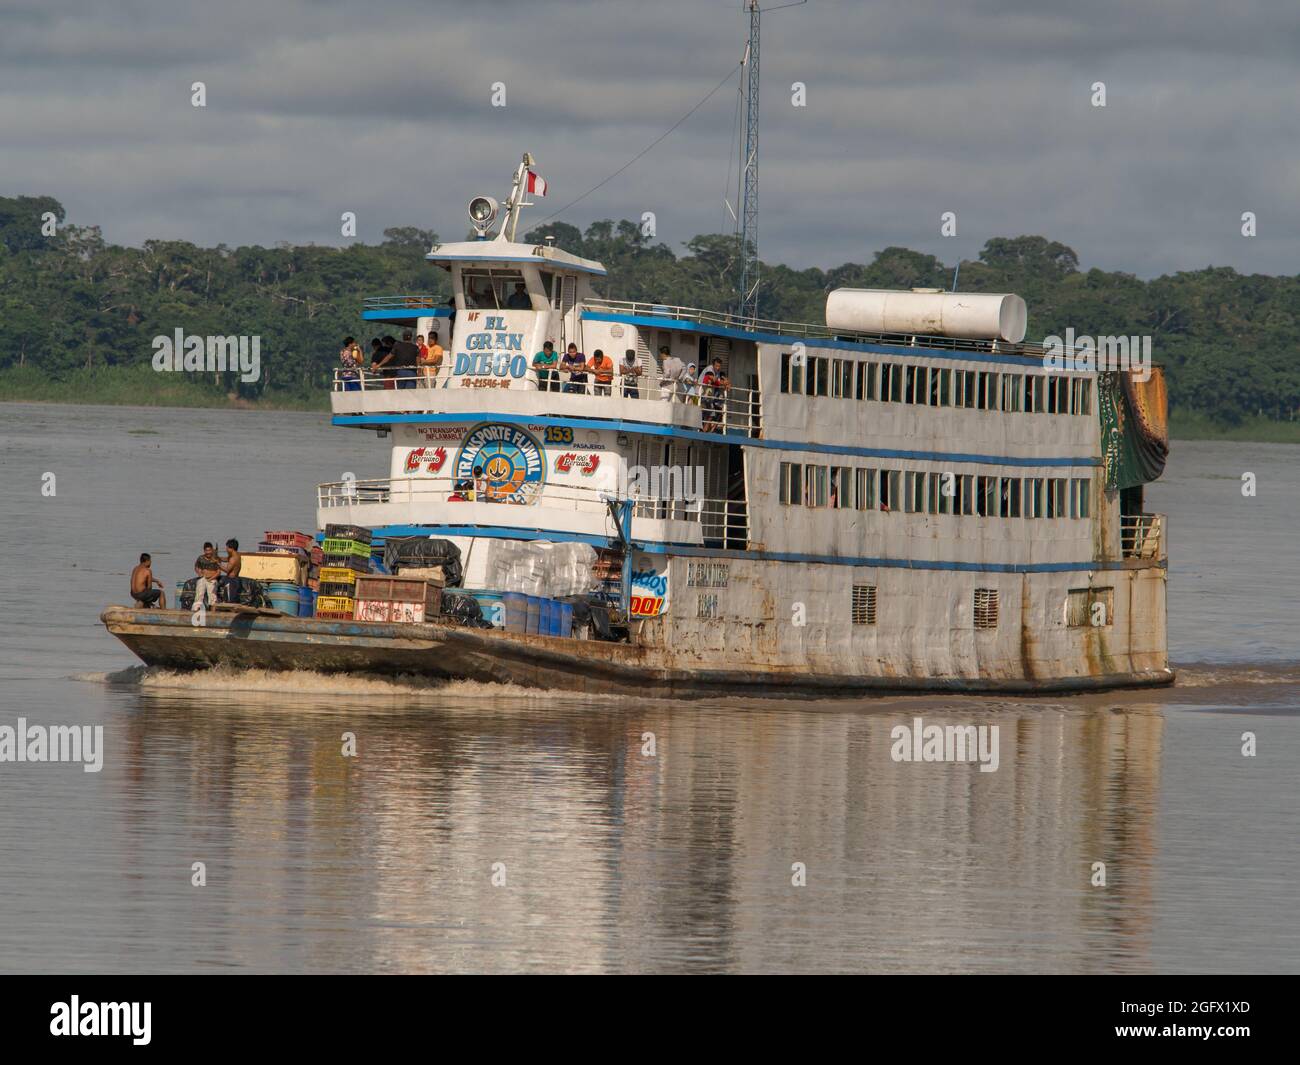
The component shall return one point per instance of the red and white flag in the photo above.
(536, 184)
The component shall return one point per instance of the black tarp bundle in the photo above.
(465, 609)
(422, 551)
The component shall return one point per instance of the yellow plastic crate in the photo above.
(338, 575)
(335, 604)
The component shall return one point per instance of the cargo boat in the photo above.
(905, 497)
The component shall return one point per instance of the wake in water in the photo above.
(224, 680)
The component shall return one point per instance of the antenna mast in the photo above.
(748, 303)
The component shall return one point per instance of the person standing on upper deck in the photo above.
(629, 369)
(519, 299)
(405, 358)
(671, 371)
(431, 360)
(603, 367)
(545, 363)
(574, 364)
(714, 384)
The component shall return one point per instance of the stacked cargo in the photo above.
(345, 557)
(282, 563)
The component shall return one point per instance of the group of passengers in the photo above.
(678, 381)
(216, 579)
(399, 362)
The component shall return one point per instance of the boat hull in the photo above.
(168, 639)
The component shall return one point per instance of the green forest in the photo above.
(78, 315)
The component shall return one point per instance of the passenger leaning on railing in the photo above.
(714, 384)
(575, 364)
(629, 369)
(546, 362)
(603, 367)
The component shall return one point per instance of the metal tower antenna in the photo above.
(748, 291)
(748, 302)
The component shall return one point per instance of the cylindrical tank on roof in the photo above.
(928, 312)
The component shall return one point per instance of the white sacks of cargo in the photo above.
(537, 567)
(928, 312)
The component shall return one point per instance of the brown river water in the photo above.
(606, 858)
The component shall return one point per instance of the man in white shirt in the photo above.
(630, 370)
(671, 369)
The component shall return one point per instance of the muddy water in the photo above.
(606, 857)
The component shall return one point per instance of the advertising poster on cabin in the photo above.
(649, 585)
(516, 462)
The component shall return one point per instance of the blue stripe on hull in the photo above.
(694, 550)
(650, 429)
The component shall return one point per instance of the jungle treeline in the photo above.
(74, 308)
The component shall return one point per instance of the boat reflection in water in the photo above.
(608, 858)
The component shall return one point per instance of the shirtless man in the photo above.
(229, 579)
(142, 582)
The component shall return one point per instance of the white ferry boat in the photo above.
(904, 497)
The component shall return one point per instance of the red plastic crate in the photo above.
(290, 538)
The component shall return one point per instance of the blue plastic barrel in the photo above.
(566, 620)
(283, 596)
(534, 623)
(516, 604)
(490, 604)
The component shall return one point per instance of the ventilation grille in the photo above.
(864, 604)
(986, 608)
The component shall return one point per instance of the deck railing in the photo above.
(1142, 536)
(719, 519)
(731, 410)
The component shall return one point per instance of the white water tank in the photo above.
(928, 312)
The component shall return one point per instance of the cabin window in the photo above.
(891, 383)
(988, 391)
(842, 378)
(966, 494)
(866, 381)
(843, 488)
(791, 374)
(1011, 383)
(947, 490)
(967, 386)
(866, 489)
(864, 604)
(814, 486)
(890, 490)
(1080, 396)
(1033, 497)
(986, 496)
(986, 608)
(490, 290)
(1034, 393)
(1009, 506)
(1080, 503)
(1057, 505)
(914, 492)
(792, 483)
(818, 376)
(917, 387)
(1089, 607)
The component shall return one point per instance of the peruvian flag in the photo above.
(536, 184)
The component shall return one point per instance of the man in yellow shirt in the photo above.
(431, 361)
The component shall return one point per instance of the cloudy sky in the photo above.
(384, 108)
